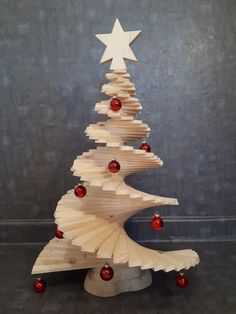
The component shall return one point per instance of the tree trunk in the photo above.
(125, 279)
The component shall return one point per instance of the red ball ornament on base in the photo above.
(115, 104)
(145, 146)
(114, 166)
(157, 222)
(59, 234)
(80, 191)
(39, 285)
(106, 273)
(181, 280)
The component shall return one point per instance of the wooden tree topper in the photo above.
(118, 46)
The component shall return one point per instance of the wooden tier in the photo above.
(116, 132)
(61, 255)
(103, 204)
(92, 165)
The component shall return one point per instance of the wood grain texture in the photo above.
(124, 279)
(94, 224)
(117, 46)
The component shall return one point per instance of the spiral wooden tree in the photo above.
(92, 226)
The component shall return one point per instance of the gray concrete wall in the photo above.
(50, 79)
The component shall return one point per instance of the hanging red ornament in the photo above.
(115, 104)
(80, 191)
(39, 285)
(59, 234)
(145, 146)
(106, 272)
(114, 166)
(181, 280)
(157, 222)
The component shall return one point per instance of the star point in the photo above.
(118, 46)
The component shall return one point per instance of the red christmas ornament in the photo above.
(106, 272)
(39, 285)
(114, 166)
(157, 222)
(80, 191)
(59, 234)
(145, 146)
(181, 280)
(115, 104)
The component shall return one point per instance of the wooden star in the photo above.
(118, 48)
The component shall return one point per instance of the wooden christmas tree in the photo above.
(91, 217)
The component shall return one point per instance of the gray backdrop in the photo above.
(50, 80)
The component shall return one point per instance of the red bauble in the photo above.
(39, 285)
(145, 146)
(80, 191)
(181, 280)
(157, 222)
(115, 104)
(114, 166)
(106, 273)
(59, 234)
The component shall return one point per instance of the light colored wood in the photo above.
(95, 163)
(93, 225)
(102, 206)
(117, 46)
(61, 255)
(116, 132)
(125, 279)
(107, 247)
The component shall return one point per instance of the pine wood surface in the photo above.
(93, 225)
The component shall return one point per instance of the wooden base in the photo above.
(125, 279)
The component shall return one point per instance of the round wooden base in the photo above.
(125, 279)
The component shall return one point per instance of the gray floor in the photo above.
(212, 287)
